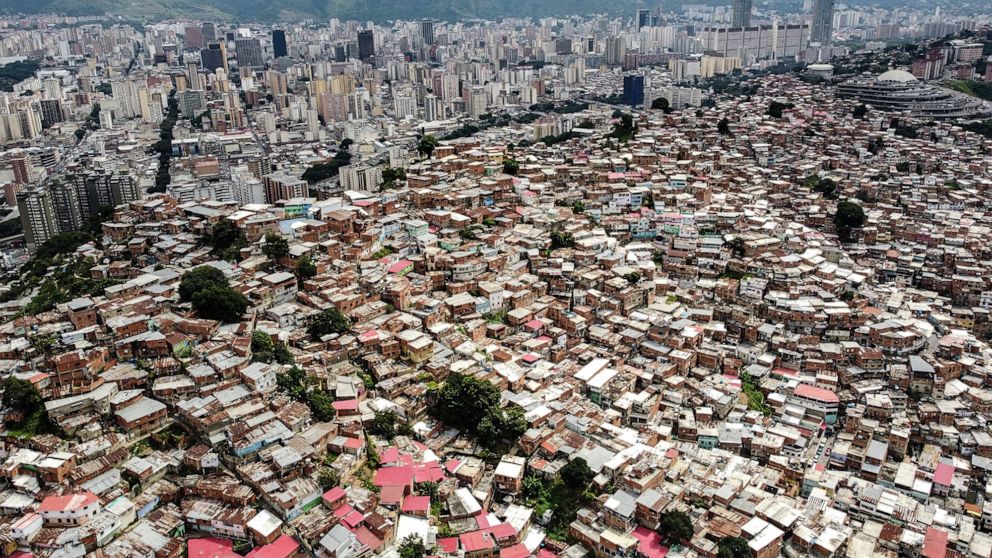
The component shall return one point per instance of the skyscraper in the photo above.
(366, 45)
(643, 18)
(742, 13)
(209, 32)
(823, 21)
(193, 37)
(633, 89)
(214, 57)
(248, 52)
(279, 48)
(427, 31)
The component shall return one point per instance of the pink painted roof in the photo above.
(649, 543)
(367, 537)
(343, 511)
(399, 266)
(448, 545)
(69, 502)
(354, 443)
(943, 474)
(817, 393)
(535, 324)
(210, 548)
(416, 504)
(515, 551)
(934, 543)
(502, 530)
(353, 519)
(334, 494)
(389, 455)
(475, 541)
(394, 476)
(392, 494)
(283, 547)
(346, 405)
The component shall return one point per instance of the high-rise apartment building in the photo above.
(37, 217)
(823, 21)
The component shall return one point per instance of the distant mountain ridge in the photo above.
(295, 10)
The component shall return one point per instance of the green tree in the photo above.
(464, 400)
(676, 525)
(733, 547)
(633, 277)
(511, 166)
(501, 424)
(383, 424)
(329, 321)
(412, 547)
(328, 478)
(561, 239)
(198, 279)
(261, 347)
(20, 395)
(426, 145)
(221, 303)
(305, 268)
(860, 111)
(276, 246)
(576, 475)
(661, 104)
(723, 126)
(223, 235)
(849, 216)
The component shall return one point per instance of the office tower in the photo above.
(427, 31)
(642, 18)
(209, 32)
(22, 170)
(742, 13)
(366, 45)
(248, 52)
(37, 217)
(279, 48)
(193, 37)
(633, 90)
(214, 57)
(823, 21)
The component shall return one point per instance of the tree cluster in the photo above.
(472, 405)
(329, 321)
(328, 169)
(212, 297)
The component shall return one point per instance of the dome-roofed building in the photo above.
(899, 91)
(896, 76)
